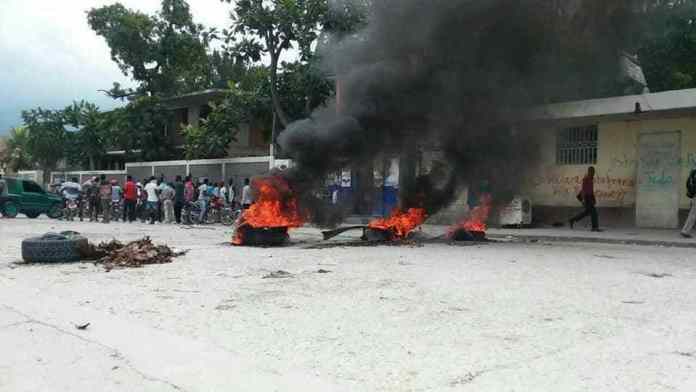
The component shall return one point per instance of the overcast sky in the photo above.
(49, 56)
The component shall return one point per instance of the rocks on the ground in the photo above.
(278, 275)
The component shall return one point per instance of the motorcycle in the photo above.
(116, 211)
(72, 208)
(228, 216)
(191, 213)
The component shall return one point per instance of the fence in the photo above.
(34, 175)
(215, 170)
(82, 176)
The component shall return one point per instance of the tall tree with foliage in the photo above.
(246, 102)
(139, 129)
(167, 53)
(87, 140)
(668, 51)
(46, 136)
(270, 28)
(16, 155)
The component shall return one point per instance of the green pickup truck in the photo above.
(21, 196)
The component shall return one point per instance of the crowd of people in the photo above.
(153, 200)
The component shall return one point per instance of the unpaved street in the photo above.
(429, 317)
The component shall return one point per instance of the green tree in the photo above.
(88, 140)
(269, 28)
(46, 137)
(166, 53)
(139, 129)
(16, 155)
(246, 102)
(668, 51)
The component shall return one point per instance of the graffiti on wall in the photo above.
(607, 188)
(626, 162)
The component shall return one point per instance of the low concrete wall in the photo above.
(214, 170)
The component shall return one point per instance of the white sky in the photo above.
(49, 56)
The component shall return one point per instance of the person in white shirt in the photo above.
(247, 196)
(70, 191)
(223, 193)
(203, 198)
(152, 204)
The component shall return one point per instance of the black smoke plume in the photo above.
(455, 74)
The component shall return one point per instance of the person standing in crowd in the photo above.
(70, 191)
(203, 198)
(105, 195)
(214, 190)
(151, 206)
(116, 199)
(189, 196)
(178, 198)
(141, 210)
(130, 200)
(91, 189)
(587, 198)
(231, 193)
(167, 195)
(691, 194)
(247, 197)
(160, 206)
(224, 193)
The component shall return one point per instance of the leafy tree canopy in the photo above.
(167, 53)
(668, 52)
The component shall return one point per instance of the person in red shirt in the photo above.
(130, 196)
(588, 200)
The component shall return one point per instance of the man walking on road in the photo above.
(130, 200)
(690, 193)
(588, 200)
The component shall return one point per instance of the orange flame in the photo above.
(275, 206)
(401, 223)
(478, 217)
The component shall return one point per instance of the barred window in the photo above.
(577, 146)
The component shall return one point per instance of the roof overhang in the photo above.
(196, 98)
(626, 108)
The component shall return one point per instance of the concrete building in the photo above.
(191, 109)
(642, 146)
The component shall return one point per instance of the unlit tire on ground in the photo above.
(53, 248)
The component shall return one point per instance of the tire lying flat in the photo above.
(53, 248)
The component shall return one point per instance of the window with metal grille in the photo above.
(577, 146)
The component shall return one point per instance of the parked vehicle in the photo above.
(29, 198)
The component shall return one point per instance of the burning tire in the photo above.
(251, 236)
(53, 248)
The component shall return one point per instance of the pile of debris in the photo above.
(115, 254)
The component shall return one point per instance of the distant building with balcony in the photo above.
(252, 140)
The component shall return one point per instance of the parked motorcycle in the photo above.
(72, 208)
